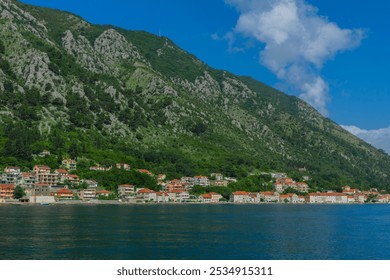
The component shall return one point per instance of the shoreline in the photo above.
(102, 202)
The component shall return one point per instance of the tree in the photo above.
(19, 192)
(73, 150)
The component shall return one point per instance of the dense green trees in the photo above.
(19, 192)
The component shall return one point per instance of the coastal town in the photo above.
(42, 185)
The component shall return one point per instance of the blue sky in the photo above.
(338, 51)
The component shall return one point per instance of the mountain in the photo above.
(104, 95)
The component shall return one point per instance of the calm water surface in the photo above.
(195, 232)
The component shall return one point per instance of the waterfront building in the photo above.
(269, 196)
(240, 197)
(6, 191)
(147, 194)
(65, 194)
(126, 190)
(87, 194)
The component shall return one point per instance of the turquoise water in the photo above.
(146, 232)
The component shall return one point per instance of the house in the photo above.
(43, 175)
(383, 198)
(360, 198)
(44, 153)
(202, 181)
(219, 183)
(240, 197)
(97, 168)
(210, 197)
(348, 190)
(255, 197)
(73, 179)
(103, 193)
(41, 189)
(205, 198)
(11, 175)
(6, 191)
(145, 171)
(284, 183)
(64, 194)
(87, 194)
(278, 175)
(351, 199)
(162, 197)
(288, 198)
(175, 185)
(188, 180)
(12, 169)
(147, 194)
(28, 180)
(41, 169)
(302, 187)
(269, 197)
(161, 177)
(330, 197)
(123, 166)
(301, 199)
(306, 178)
(217, 176)
(62, 175)
(231, 180)
(69, 164)
(126, 190)
(91, 184)
(178, 196)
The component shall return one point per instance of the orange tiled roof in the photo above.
(62, 171)
(7, 186)
(64, 191)
(103, 192)
(240, 193)
(126, 185)
(145, 191)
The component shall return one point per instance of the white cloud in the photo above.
(379, 138)
(297, 42)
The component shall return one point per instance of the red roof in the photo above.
(214, 193)
(268, 193)
(145, 191)
(45, 167)
(64, 191)
(62, 171)
(240, 193)
(327, 194)
(144, 171)
(7, 186)
(162, 194)
(207, 195)
(126, 186)
(103, 192)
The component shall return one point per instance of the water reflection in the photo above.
(195, 232)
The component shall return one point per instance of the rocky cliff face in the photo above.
(145, 90)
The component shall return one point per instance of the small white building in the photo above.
(126, 190)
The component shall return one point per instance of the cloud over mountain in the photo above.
(297, 42)
(379, 138)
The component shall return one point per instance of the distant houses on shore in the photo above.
(44, 185)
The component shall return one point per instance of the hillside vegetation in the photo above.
(110, 95)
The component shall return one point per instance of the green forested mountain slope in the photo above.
(107, 95)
